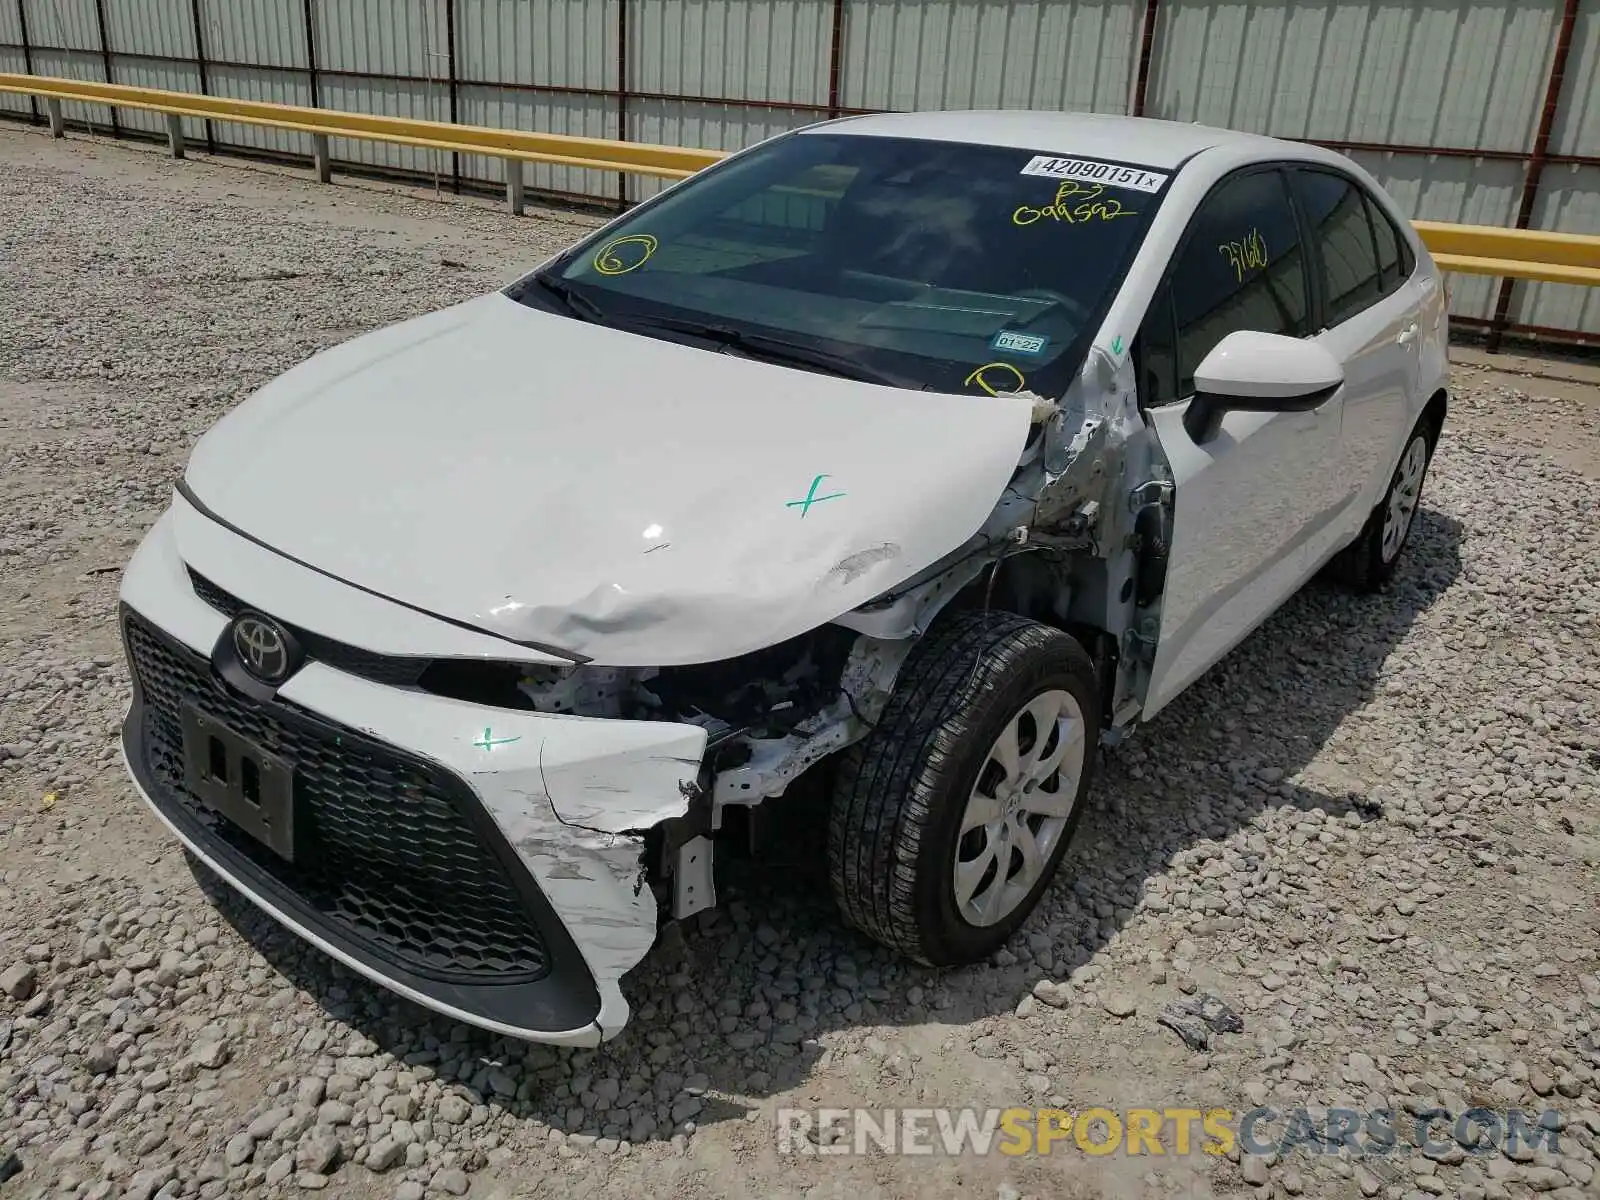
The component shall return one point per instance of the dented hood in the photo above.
(635, 501)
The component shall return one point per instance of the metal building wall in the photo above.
(13, 58)
(548, 65)
(1449, 103)
(1461, 76)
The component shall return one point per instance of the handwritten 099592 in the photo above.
(1092, 205)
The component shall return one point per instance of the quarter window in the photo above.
(1241, 267)
(1393, 259)
(1352, 276)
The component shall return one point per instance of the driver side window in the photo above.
(1241, 266)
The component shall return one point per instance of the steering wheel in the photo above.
(1075, 308)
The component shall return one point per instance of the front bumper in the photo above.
(431, 857)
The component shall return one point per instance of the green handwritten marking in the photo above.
(812, 498)
(488, 741)
(1116, 344)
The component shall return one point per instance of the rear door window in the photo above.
(1350, 272)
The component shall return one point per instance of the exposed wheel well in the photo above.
(1433, 416)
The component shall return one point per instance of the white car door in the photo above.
(1371, 322)
(1246, 498)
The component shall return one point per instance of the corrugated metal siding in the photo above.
(582, 116)
(415, 100)
(1577, 127)
(1055, 54)
(1569, 199)
(381, 37)
(174, 77)
(76, 64)
(1465, 74)
(161, 29)
(63, 24)
(560, 43)
(1446, 73)
(270, 33)
(13, 62)
(742, 49)
(157, 27)
(385, 37)
(275, 87)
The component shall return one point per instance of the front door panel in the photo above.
(1242, 513)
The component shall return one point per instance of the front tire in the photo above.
(949, 820)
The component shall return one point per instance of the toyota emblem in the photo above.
(262, 647)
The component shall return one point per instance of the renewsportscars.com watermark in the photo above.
(1160, 1131)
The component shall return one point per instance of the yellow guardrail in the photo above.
(1513, 253)
(1469, 249)
(513, 145)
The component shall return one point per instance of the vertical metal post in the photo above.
(515, 187)
(320, 159)
(105, 58)
(311, 55)
(27, 52)
(835, 59)
(1147, 42)
(622, 96)
(1536, 160)
(455, 116)
(175, 135)
(52, 109)
(202, 68)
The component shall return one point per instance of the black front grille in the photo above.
(395, 670)
(386, 853)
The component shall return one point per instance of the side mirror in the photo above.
(1259, 372)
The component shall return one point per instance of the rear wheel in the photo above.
(950, 819)
(1369, 561)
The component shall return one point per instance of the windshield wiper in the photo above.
(778, 350)
(575, 303)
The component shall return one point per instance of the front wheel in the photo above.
(950, 819)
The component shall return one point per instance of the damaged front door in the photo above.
(1248, 491)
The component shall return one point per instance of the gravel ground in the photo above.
(1373, 832)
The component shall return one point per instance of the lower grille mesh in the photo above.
(384, 854)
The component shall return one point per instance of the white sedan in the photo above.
(907, 457)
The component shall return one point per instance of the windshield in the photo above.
(919, 263)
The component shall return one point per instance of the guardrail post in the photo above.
(515, 186)
(52, 108)
(175, 135)
(319, 156)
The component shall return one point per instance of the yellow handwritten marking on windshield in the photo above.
(1249, 254)
(636, 249)
(981, 378)
(1095, 205)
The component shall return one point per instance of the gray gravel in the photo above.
(1373, 833)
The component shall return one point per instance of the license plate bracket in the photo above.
(234, 777)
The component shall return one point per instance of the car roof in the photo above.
(1141, 140)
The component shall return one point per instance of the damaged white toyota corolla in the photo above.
(928, 451)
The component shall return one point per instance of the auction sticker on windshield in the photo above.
(1091, 171)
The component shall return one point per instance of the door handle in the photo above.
(1407, 334)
